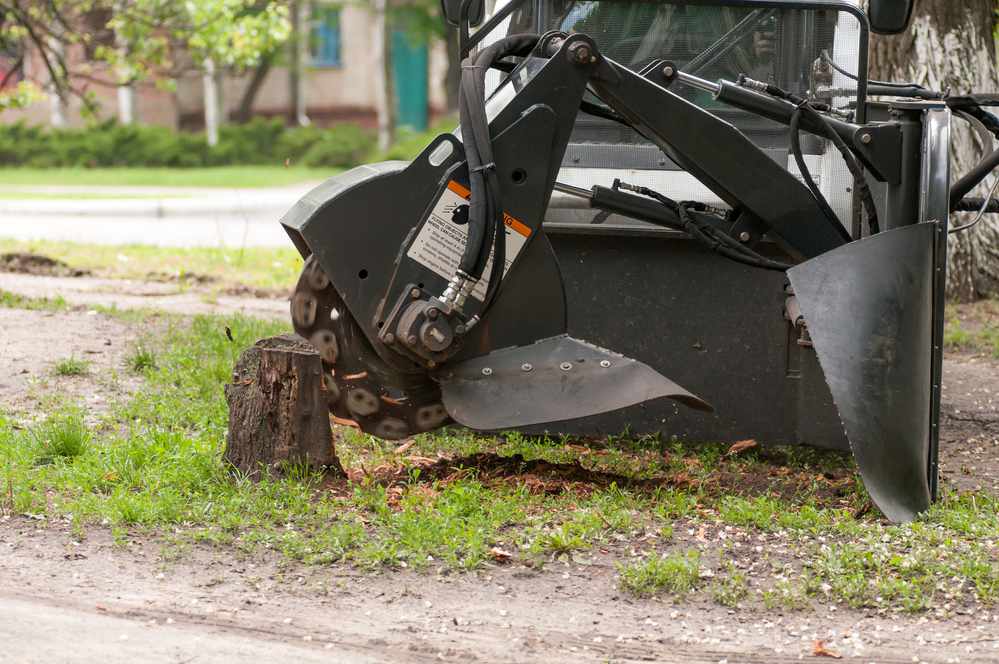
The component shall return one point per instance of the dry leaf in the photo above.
(819, 650)
(402, 449)
(500, 555)
(741, 445)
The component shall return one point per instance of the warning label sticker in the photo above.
(440, 242)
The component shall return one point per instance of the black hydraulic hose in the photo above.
(709, 236)
(806, 175)
(827, 130)
(485, 217)
(887, 84)
(969, 180)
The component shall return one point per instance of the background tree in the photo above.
(160, 38)
(952, 46)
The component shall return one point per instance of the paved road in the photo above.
(166, 217)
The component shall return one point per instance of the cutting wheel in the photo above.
(362, 390)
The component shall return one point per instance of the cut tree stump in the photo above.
(278, 412)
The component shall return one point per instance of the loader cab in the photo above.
(792, 44)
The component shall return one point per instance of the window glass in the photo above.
(325, 40)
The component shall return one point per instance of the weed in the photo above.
(61, 436)
(141, 359)
(677, 573)
(72, 366)
(730, 587)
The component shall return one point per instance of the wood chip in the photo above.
(344, 422)
(740, 446)
(357, 376)
(819, 650)
(500, 555)
(402, 449)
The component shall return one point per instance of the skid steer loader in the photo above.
(710, 191)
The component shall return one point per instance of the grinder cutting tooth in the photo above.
(361, 389)
(361, 402)
(303, 309)
(391, 428)
(431, 417)
(325, 343)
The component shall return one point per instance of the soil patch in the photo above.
(29, 263)
(32, 342)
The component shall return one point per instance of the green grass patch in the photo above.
(71, 366)
(10, 300)
(676, 573)
(982, 338)
(63, 436)
(274, 269)
(221, 176)
(141, 358)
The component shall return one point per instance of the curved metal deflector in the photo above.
(554, 379)
(869, 310)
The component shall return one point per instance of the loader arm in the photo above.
(720, 156)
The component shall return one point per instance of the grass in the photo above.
(677, 573)
(778, 528)
(140, 359)
(10, 300)
(264, 268)
(31, 195)
(973, 327)
(223, 176)
(71, 366)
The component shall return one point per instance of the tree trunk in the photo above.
(245, 110)
(950, 46)
(384, 87)
(453, 74)
(298, 52)
(278, 408)
(211, 94)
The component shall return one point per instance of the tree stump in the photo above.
(278, 412)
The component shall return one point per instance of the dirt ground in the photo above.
(209, 606)
(67, 600)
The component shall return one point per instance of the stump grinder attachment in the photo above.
(433, 289)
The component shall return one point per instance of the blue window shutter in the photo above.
(325, 36)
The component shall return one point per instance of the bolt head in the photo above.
(486, 371)
(433, 313)
(580, 53)
(411, 340)
(668, 70)
(526, 366)
(744, 236)
(415, 293)
(389, 338)
(605, 363)
(565, 366)
(459, 329)
(866, 138)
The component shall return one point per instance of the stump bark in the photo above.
(278, 412)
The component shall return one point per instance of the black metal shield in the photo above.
(554, 379)
(869, 310)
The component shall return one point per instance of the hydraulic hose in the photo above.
(485, 213)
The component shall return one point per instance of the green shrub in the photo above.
(409, 144)
(340, 146)
(109, 144)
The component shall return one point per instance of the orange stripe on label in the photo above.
(459, 189)
(511, 223)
